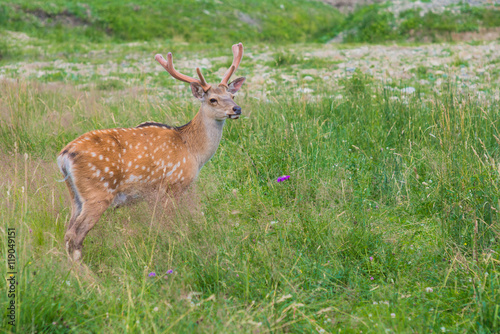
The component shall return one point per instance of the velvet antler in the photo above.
(237, 56)
(169, 66)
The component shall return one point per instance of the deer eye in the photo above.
(213, 100)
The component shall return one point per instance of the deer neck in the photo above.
(202, 136)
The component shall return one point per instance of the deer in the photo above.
(112, 167)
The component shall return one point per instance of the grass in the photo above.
(72, 25)
(389, 221)
(187, 21)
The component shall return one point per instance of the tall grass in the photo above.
(389, 221)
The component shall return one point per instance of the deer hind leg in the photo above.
(65, 165)
(84, 214)
(83, 223)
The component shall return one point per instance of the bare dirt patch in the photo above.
(64, 18)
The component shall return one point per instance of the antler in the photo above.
(237, 55)
(169, 66)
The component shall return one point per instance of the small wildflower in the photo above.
(443, 329)
(237, 275)
(371, 278)
(152, 274)
(31, 231)
(170, 271)
(283, 178)
(54, 323)
(68, 283)
(371, 258)
(393, 315)
(273, 222)
(429, 290)
(155, 309)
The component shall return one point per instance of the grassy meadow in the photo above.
(388, 223)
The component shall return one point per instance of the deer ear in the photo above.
(197, 90)
(236, 85)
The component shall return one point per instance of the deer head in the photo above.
(216, 103)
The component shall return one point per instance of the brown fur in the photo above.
(113, 166)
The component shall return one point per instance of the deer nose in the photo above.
(237, 110)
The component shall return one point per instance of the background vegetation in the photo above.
(207, 21)
(388, 223)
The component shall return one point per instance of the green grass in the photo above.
(389, 221)
(181, 21)
(72, 25)
(375, 23)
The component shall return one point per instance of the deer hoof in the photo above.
(77, 255)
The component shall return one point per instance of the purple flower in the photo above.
(31, 231)
(237, 275)
(170, 271)
(371, 278)
(152, 274)
(371, 258)
(283, 178)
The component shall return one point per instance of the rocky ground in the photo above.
(401, 5)
(473, 67)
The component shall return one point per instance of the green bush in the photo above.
(370, 24)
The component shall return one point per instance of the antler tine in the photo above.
(237, 56)
(169, 66)
(203, 82)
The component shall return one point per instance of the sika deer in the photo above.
(109, 167)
